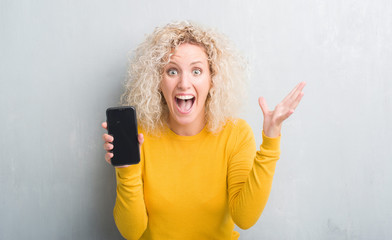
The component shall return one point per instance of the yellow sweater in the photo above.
(196, 187)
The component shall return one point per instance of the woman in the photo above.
(199, 171)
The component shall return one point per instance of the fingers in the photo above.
(107, 146)
(108, 157)
(296, 101)
(296, 97)
(263, 105)
(298, 91)
(288, 114)
(294, 93)
(107, 138)
(291, 92)
(293, 99)
(140, 138)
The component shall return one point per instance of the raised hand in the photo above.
(273, 120)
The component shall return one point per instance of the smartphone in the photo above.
(122, 125)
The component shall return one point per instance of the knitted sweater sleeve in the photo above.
(129, 212)
(250, 175)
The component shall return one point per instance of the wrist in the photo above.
(272, 132)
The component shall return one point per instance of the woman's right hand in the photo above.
(109, 146)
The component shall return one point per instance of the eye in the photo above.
(196, 72)
(172, 72)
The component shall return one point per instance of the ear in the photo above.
(210, 90)
(160, 87)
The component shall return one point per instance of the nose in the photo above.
(184, 82)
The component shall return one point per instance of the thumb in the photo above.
(263, 105)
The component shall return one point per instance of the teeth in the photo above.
(184, 97)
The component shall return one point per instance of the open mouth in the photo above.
(184, 103)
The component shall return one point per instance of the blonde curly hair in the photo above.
(142, 87)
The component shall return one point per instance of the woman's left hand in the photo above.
(273, 119)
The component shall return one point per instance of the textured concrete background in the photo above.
(62, 63)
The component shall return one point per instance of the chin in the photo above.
(184, 120)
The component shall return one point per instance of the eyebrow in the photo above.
(192, 63)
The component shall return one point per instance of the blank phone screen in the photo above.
(122, 125)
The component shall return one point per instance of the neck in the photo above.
(187, 130)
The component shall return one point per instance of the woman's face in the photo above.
(185, 84)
